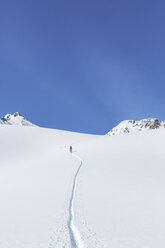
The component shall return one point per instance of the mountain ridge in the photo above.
(124, 127)
(15, 119)
(129, 126)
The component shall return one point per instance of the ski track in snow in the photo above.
(75, 237)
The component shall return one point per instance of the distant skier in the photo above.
(70, 149)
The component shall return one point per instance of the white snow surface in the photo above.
(36, 179)
(116, 198)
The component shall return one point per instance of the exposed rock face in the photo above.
(129, 126)
(15, 119)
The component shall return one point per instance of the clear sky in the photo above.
(82, 65)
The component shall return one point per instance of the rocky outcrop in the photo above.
(129, 126)
(15, 119)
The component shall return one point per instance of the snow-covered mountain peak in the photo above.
(129, 126)
(15, 119)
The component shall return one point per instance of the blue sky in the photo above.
(82, 65)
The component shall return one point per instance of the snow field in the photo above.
(122, 185)
(36, 177)
(115, 200)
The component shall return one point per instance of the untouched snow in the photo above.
(120, 192)
(108, 193)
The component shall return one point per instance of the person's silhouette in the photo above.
(70, 149)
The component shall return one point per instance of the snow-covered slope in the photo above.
(15, 119)
(108, 193)
(36, 179)
(134, 126)
(120, 193)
